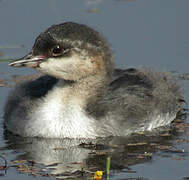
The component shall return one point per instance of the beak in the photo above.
(28, 61)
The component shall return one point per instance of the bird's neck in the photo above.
(89, 89)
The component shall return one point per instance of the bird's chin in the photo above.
(35, 65)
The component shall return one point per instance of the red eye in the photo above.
(57, 51)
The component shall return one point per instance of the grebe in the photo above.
(81, 95)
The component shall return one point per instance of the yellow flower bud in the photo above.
(98, 175)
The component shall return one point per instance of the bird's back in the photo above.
(138, 100)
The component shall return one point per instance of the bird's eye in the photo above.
(57, 50)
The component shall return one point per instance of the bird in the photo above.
(82, 95)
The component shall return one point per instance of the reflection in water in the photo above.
(67, 156)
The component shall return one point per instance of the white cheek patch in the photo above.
(56, 65)
(67, 67)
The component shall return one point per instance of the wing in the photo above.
(139, 98)
(130, 81)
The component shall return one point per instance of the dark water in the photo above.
(141, 33)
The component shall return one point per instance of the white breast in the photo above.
(57, 117)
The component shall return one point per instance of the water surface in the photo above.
(141, 33)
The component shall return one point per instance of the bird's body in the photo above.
(82, 96)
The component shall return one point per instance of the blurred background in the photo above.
(141, 32)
